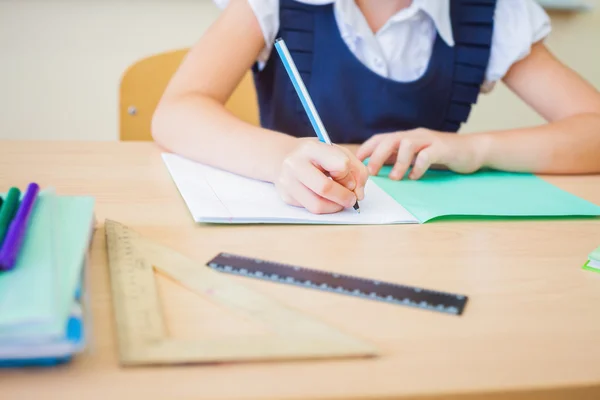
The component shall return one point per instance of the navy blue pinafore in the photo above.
(355, 102)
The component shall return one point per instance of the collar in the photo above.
(437, 10)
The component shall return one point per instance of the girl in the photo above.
(391, 79)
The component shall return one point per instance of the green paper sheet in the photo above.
(486, 193)
(595, 255)
(587, 267)
(48, 269)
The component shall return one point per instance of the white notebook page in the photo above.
(217, 196)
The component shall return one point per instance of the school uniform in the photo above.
(424, 68)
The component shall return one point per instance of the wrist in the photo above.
(284, 146)
(480, 145)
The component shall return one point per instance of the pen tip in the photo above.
(356, 207)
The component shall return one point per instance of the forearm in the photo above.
(201, 129)
(568, 146)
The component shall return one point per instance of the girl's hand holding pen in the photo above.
(321, 178)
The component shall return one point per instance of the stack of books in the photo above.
(593, 262)
(44, 243)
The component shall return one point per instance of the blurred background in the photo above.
(62, 61)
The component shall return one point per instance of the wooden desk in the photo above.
(531, 330)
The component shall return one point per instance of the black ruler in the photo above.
(338, 283)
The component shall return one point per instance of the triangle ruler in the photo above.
(142, 333)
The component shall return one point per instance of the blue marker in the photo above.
(305, 99)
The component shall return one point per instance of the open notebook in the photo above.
(217, 196)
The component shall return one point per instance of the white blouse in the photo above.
(401, 49)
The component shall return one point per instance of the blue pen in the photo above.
(305, 99)
(17, 229)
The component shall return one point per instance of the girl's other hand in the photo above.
(422, 148)
(321, 178)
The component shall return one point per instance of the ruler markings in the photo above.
(340, 283)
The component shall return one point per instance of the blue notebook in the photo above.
(41, 309)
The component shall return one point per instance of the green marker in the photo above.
(8, 210)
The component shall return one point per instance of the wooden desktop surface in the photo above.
(531, 328)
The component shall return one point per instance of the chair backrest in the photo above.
(144, 82)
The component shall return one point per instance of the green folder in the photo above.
(37, 295)
(483, 194)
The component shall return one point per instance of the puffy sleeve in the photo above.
(267, 14)
(518, 25)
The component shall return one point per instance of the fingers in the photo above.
(423, 162)
(348, 181)
(384, 150)
(301, 196)
(318, 177)
(426, 148)
(360, 174)
(345, 178)
(367, 148)
(312, 178)
(403, 150)
(337, 162)
(330, 158)
(406, 154)
(343, 166)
